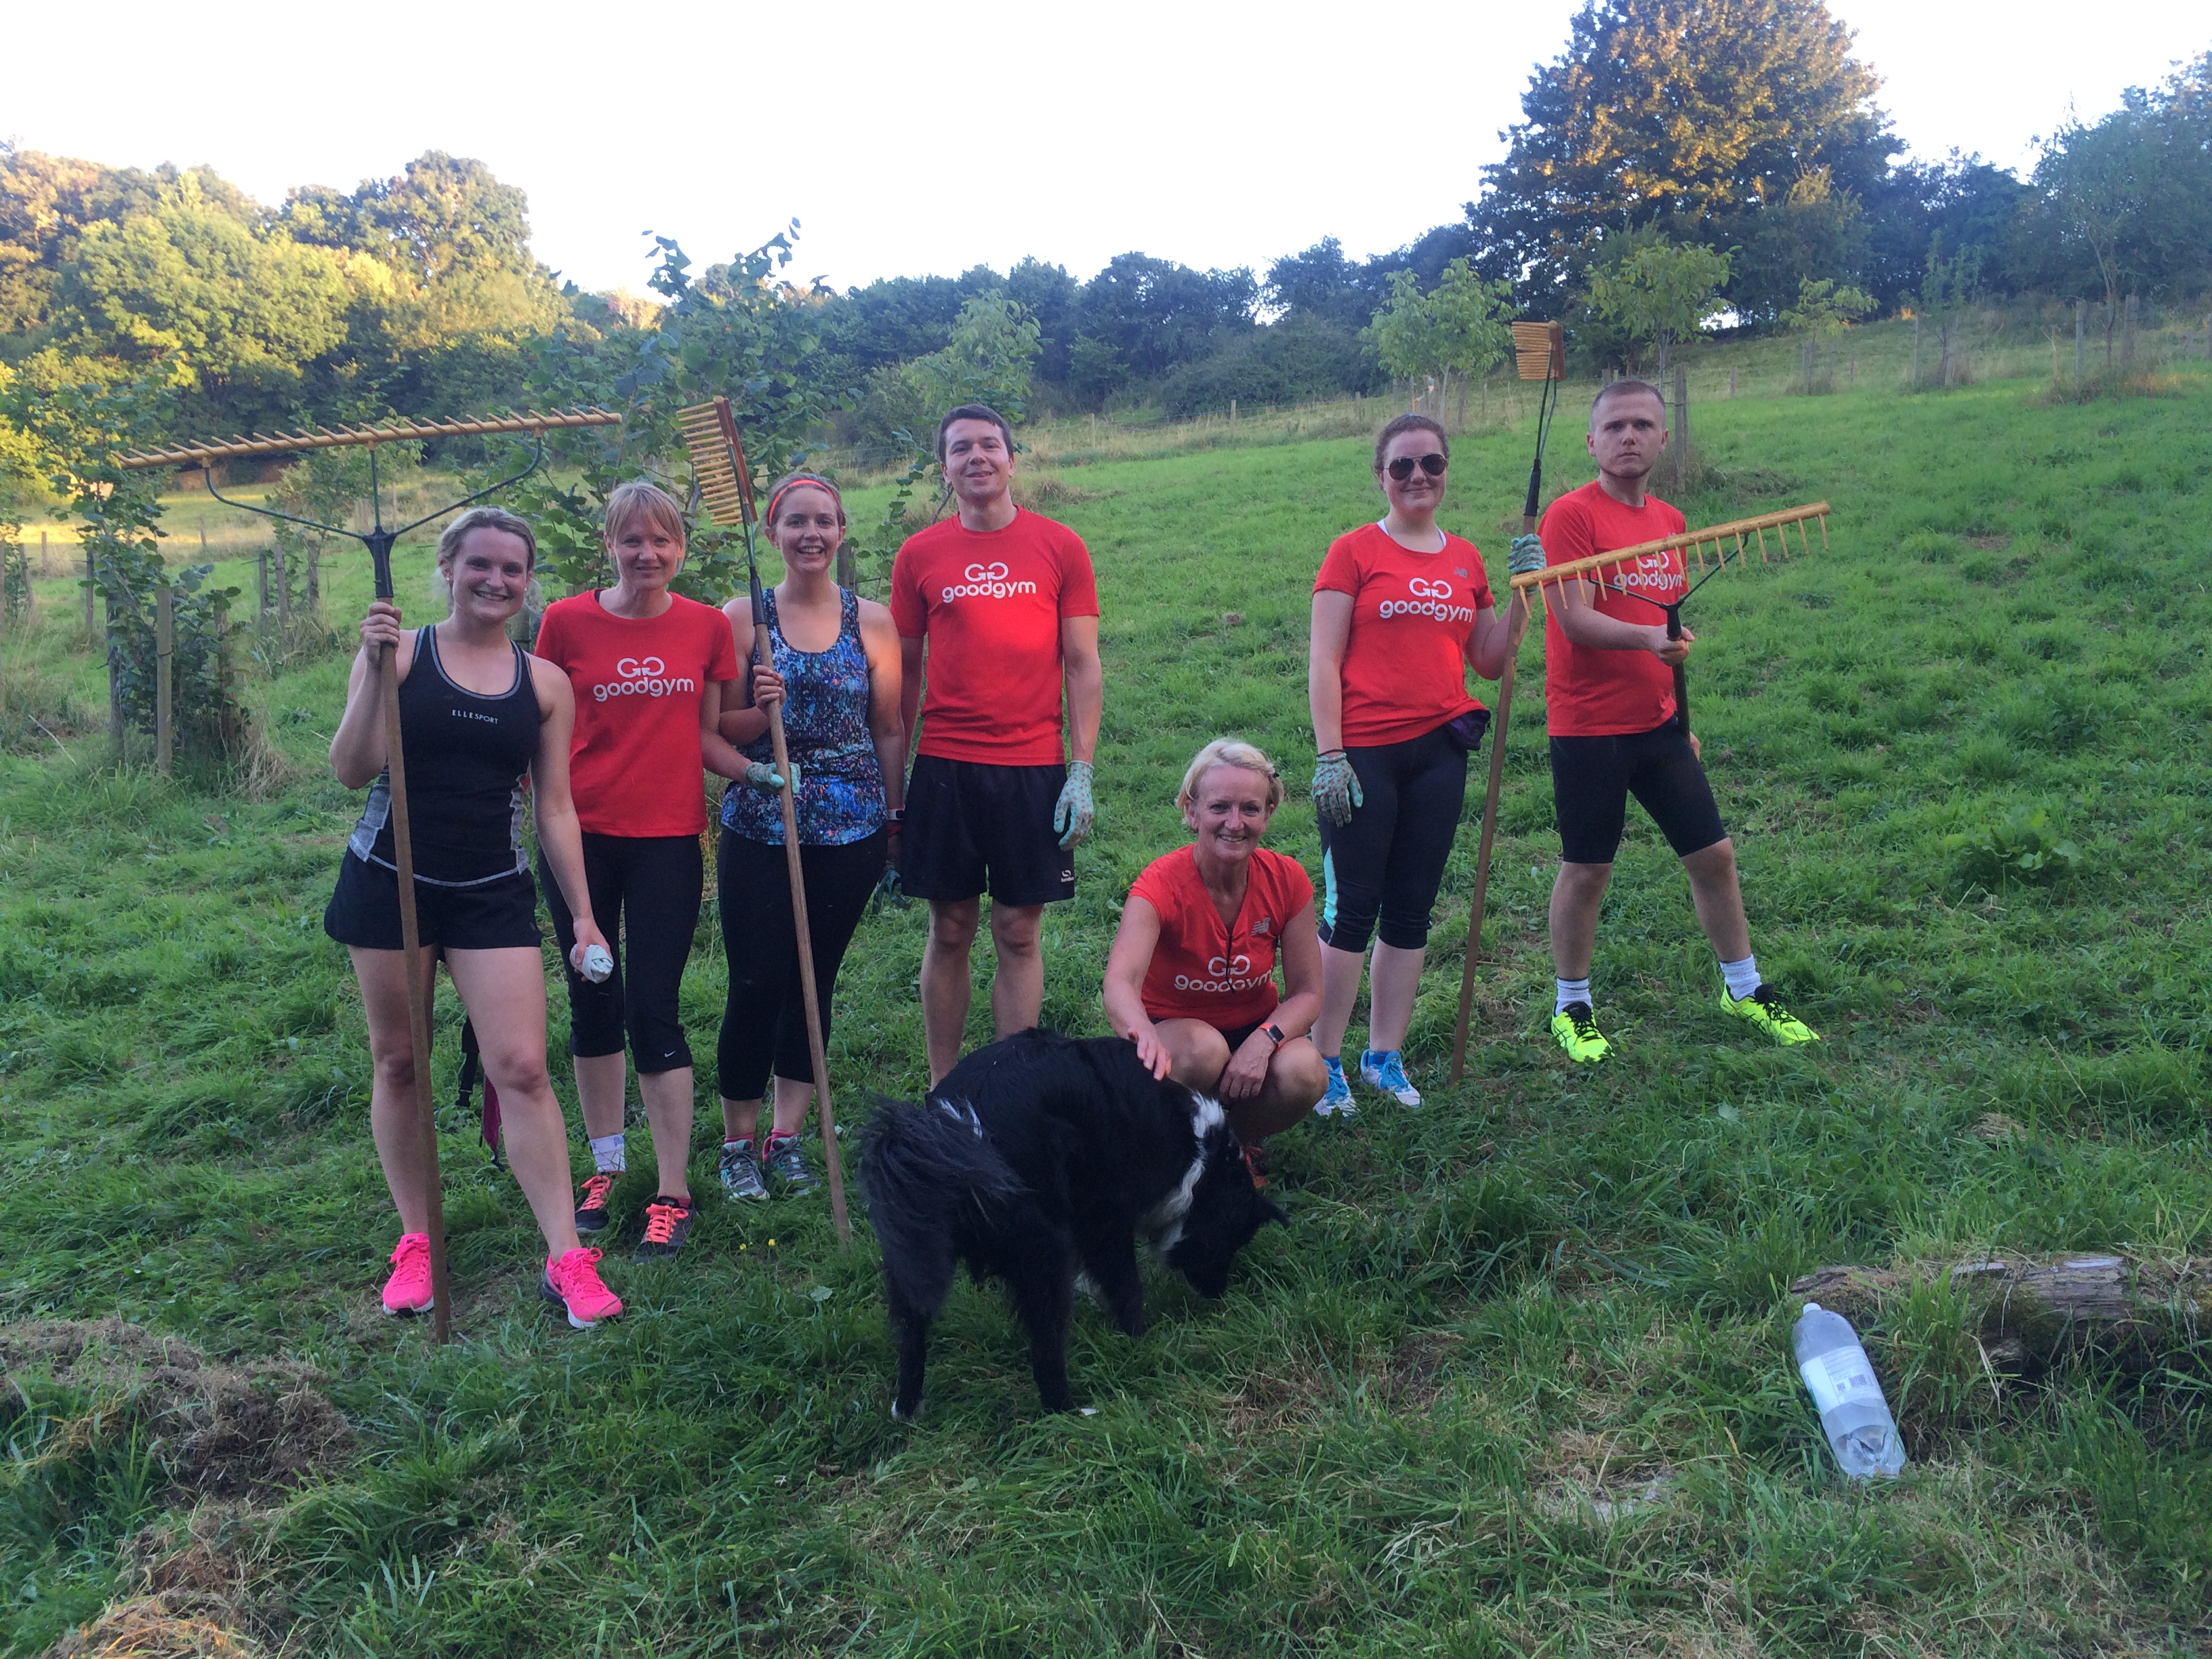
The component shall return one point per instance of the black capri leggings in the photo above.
(645, 897)
(1390, 860)
(764, 1022)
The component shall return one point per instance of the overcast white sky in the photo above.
(912, 139)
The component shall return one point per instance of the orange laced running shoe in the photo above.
(408, 1289)
(592, 1202)
(666, 1222)
(572, 1284)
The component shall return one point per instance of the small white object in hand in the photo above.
(596, 964)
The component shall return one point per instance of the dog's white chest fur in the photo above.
(1163, 1222)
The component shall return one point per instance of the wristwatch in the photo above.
(1274, 1034)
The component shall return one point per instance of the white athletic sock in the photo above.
(1570, 990)
(607, 1153)
(1742, 977)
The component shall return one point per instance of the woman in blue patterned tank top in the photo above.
(835, 669)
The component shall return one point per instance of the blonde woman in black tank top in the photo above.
(478, 714)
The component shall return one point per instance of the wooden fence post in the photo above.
(1682, 459)
(165, 654)
(261, 583)
(91, 587)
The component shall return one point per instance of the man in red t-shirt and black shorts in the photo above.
(1609, 699)
(998, 608)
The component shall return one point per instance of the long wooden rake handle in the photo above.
(815, 1048)
(419, 992)
(1482, 856)
(833, 1162)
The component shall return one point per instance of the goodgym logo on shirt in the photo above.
(1429, 599)
(1653, 570)
(643, 676)
(1225, 974)
(987, 581)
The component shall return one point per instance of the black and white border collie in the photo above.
(1040, 1158)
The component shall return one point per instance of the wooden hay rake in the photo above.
(379, 540)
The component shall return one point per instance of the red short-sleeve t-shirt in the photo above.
(1405, 664)
(1594, 693)
(634, 762)
(1202, 970)
(990, 605)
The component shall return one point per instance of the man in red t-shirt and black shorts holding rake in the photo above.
(1615, 730)
(998, 608)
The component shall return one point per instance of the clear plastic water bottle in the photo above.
(1853, 1414)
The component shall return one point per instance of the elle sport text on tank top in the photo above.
(467, 755)
(825, 727)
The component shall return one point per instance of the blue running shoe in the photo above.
(1338, 1100)
(1385, 1070)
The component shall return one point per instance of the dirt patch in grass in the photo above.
(224, 1430)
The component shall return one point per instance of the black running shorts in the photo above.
(1592, 779)
(971, 827)
(501, 914)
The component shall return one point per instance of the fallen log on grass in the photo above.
(2026, 1314)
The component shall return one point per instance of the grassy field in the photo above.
(1515, 1379)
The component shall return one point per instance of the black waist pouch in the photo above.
(1465, 732)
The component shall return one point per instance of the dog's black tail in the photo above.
(924, 1164)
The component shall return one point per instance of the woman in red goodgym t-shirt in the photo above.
(649, 668)
(1191, 978)
(1401, 611)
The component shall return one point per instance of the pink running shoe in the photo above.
(572, 1284)
(408, 1289)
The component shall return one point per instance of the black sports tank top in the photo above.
(466, 757)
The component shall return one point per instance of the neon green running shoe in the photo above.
(1763, 1009)
(1575, 1029)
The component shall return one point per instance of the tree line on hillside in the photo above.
(1679, 163)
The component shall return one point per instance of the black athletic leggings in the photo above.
(764, 1022)
(645, 897)
(1390, 860)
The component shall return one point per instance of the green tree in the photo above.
(1473, 325)
(1404, 335)
(750, 335)
(1675, 112)
(1823, 307)
(1660, 292)
(189, 281)
(1949, 287)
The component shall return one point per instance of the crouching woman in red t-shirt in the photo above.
(1191, 978)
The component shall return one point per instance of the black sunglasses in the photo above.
(1432, 464)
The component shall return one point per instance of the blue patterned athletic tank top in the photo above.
(467, 755)
(825, 727)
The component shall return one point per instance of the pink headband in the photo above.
(804, 481)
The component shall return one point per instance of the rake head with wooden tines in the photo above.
(1540, 352)
(1621, 561)
(717, 465)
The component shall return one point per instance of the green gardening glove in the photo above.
(762, 775)
(1073, 813)
(1336, 788)
(1525, 556)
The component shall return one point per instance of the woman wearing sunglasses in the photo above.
(1401, 611)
